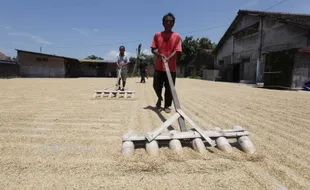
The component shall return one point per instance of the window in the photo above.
(251, 30)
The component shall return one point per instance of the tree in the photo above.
(190, 47)
(149, 59)
(194, 55)
(93, 57)
(205, 43)
(141, 58)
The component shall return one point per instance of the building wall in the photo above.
(224, 52)
(278, 36)
(246, 50)
(240, 46)
(301, 71)
(275, 37)
(88, 69)
(8, 70)
(246, 47)
(49, 66)
(308, 39)
(73, 68)
(111, 69)
(243, 51)
(210, 74)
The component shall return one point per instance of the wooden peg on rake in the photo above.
(196, 136)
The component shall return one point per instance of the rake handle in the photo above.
(175, 98)
(118, 76)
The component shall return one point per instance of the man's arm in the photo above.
(177, 48)
(154, 47)
(117, 62)
(173, 54)
(126, 61)
(155, 52)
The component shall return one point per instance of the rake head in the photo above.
(175, 140)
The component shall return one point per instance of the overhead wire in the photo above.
(184, 33)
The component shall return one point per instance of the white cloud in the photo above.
(6, 27)
(81, 31)
(37, 39)
(147, 52)
(111, 55)
(85, 32)
(20, 43)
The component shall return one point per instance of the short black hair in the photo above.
(121, 47)
(169, 14)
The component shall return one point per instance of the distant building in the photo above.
(3, 57)
(98, 68)
(34, 64)
(268, 47)
(8, 68)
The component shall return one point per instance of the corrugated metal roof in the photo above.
(50, 55)
(296, 18)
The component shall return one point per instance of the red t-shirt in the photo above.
(166, 43)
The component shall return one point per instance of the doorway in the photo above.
(236, 72)
(279, 68)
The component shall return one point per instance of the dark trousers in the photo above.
(160, 80)
(142, 73)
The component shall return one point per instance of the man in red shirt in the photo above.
(165, 45)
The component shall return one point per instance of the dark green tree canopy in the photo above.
(94, 57)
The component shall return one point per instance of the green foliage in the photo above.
(148, 59)
(192, 58)
(190, 48)
(141, 58)
(94, 57)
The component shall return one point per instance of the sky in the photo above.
(78, 28)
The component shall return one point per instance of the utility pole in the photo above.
(137, 59)
(40, 49)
